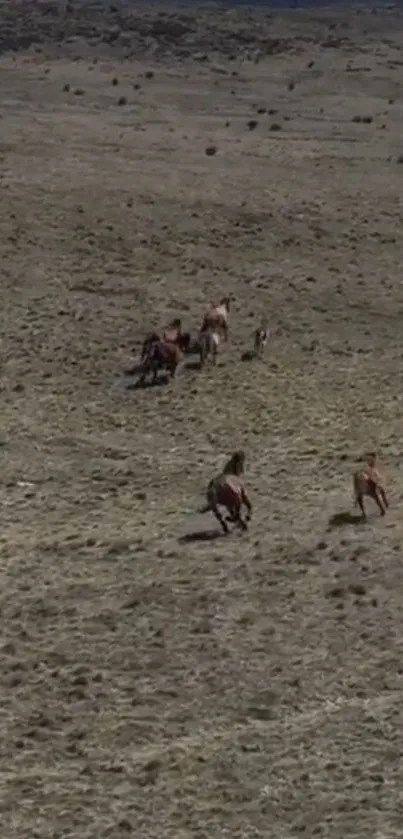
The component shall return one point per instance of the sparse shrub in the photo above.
(211, 150)
(275, 126)
(115, 81)
(122, 101)
(149, 74)
(366, 120)
(291, 84)
(399, 159)
(261, 110)
(252, 124)
(272, 111)
(137, 86)
(79, 91)
(66, 88)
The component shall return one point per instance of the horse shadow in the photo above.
(133, 371)
(200, 536)
(249, 355)
(193, 365)
(161, 381)
(344, 518)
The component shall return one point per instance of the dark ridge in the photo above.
(191, 31)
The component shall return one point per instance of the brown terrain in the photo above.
(158, 680)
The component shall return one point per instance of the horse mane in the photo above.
(235, 465)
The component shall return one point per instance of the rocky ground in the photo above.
(158, 680)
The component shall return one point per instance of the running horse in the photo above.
(163, 355)
(260, 338)
(170, 333)
(216, 317)
(228, 490)
(368, 481)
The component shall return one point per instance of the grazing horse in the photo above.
(260, 338)
(163, 355)
(228, 490)
(216, 317)
(170, 333)
(368, 481)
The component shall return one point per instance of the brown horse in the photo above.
(171, 333)
(368, 481)
(163, 355)
(216, 317)
(228, 490)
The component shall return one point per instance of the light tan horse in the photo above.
(368, 481)
(216, 317)
(228, 490)
(208, 343)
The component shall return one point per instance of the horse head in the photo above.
(236, 463)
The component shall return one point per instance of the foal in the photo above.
(260, 338)
(368, 481)
(227, 490)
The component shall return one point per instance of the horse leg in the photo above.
(382, 493)
(238, 518)
(378, 502)
(143, 376)
(214, 353)
(247, 503)
(360, 502)
(217, 514)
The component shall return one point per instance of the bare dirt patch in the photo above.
(158, 681)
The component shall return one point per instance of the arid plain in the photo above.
(154, 684)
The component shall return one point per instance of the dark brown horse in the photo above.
(163, 355)
(170, 333)
(216, 317)
(368, 481)
(228, 490)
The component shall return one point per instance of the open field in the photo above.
(155, 685)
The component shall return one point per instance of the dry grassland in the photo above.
(156, 685)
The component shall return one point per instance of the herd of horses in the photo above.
(163, 349)
(228, 490)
